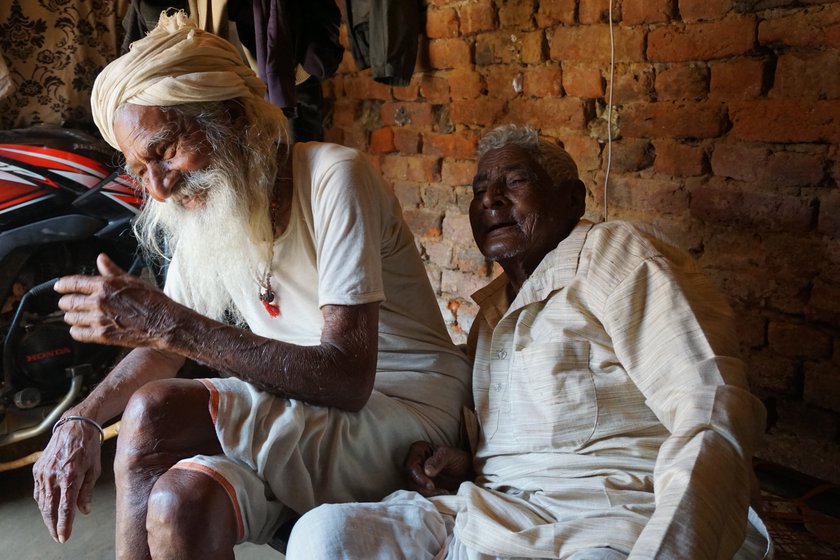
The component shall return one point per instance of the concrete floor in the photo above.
(23, 535)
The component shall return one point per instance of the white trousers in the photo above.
(404, 525)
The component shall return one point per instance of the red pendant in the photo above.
(272, 309)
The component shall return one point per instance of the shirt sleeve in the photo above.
(674, 334)
(349, 216)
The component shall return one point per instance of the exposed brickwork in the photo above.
(726, 134)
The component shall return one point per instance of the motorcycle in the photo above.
(63, 200)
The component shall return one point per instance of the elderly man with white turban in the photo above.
(292, 273)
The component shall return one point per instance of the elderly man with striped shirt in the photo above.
(614, 418)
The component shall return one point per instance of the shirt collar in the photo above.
(556, 270)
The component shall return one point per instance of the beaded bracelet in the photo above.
(82, 419)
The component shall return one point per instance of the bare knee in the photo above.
(190, 516)
(165, 421)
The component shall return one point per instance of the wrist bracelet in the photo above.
(82, 419)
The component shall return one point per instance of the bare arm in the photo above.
(117, 308)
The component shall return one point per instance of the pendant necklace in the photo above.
(268, 297)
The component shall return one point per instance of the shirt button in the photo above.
(502, 354)
(497, 386)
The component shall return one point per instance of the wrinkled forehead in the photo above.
(506, 158)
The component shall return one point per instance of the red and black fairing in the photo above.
(63, 200)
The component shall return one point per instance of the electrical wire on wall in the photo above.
(609, 113)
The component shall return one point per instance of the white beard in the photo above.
(224, 240)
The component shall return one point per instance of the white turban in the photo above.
(175, 63)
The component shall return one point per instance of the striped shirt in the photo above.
(613, 410)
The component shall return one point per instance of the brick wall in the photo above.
(725, 126)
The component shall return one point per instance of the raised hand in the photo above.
(115, 308)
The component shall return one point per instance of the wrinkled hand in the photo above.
(64, 476)
(433, 471)
(114, 308)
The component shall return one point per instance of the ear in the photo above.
(577, 197)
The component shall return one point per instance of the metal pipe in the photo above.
(48, 422)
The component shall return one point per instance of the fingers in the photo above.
(77, 284)
(107, 267)
(414, 466)
(66, 512)
(47, 504)
(86, 491)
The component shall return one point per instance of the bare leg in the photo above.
(190, 516)
(164, 422)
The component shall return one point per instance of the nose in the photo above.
(494, 195)
(160, 181)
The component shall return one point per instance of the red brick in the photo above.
(477, 17)
(704, 10)
(441, 23)
(585, 150)
(775, 212)
(406, 141)
(591, 43)
(435, 89)
(786, 120)
(456, 145)
(362, 86)
(382, 140)
(348, 63)
(500, 79)
(702, 41)
(672, 120)
(796, 340)
(449, 53)
(635, 12)
(829, 217)
(345, 111)
(583, 80)
(439, 252)
(411, 168)
(356, 137)
(552, 12)
(409, 92)
(333, 88)
(647, 196)
(437, 196)
(404, 113)
(407, 193)
(824, 302)
(424, 223)
(461, 283)
(470, 259)
(548, 113)
(769, 371)
(501, 47)
(678, 159)
(483, 111)
(465, 84)
(633, 83)
(682, 81)
(631, 154)
(596, 11)
(533, 47)
(740, 78)
(808, 75)
(456, 228)
(817, 27)
(516, 14)
(543, 81)
(760, 163)
(457, 172)
(822, 387)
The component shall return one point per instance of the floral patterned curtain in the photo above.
(53, 50)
